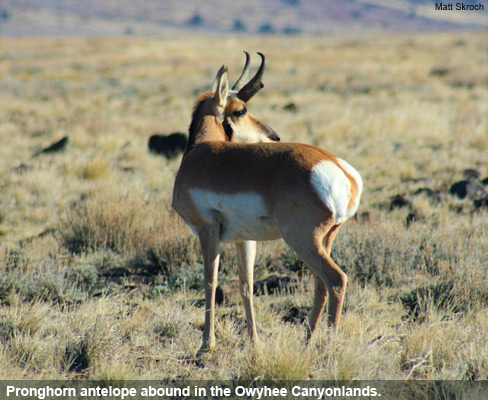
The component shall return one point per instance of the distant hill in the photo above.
(149, 17)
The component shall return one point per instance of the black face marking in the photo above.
(228, 130)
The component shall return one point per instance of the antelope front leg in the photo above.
(210, 243)
(246, 254)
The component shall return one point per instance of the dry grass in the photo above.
(100, 279)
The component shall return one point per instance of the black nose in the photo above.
(272, 135)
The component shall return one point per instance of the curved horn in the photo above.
(254, 85)
(239, 83)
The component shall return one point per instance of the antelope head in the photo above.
(222, 114)
(240, 126)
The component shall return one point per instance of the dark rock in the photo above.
(23, 168)
(427, 191)
(470, 188)
(117, 272)
(399, 201)
(434, 195)
(169, 146)
(274, 285)
(291, 107)
(459, 189)
(219, 296)
(296, 315)
(471, 173)
(56, 147)
(481, 203)
(412, 217)
(476, 191)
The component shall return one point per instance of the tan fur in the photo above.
(205, 125)
(278, 175)
(255, 168)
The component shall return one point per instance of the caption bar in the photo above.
(258, 393)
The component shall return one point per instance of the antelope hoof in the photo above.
(309, 337)
(255, 342)
(205, 349)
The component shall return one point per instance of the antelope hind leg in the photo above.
(311, 250)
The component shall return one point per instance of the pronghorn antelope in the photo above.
(230, 191)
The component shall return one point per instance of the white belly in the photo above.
(242, 216)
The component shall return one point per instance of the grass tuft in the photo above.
(95, 169)
(108, 221)
(277, 359)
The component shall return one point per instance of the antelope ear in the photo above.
(221, 87)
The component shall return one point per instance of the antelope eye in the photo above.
(240, 113)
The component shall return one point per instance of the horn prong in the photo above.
(239, 83)
(255, 84)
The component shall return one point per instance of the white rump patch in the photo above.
(334, 188)
(242, 216)
(355, 174)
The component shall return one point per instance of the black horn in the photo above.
(254, 85)
(239, 83)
